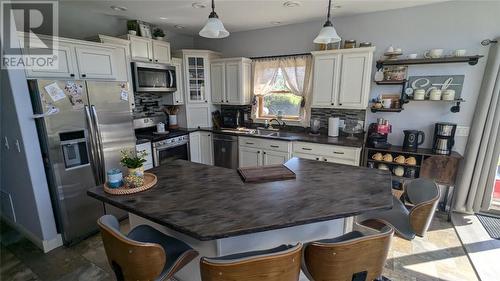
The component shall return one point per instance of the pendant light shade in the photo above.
(328, 34)
(214, 27)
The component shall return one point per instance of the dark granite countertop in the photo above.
(291, 136)
(208, 202)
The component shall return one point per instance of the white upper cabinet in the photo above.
(77, 59)
(141, 49)
(177, 97)
(95, 62)
(161, 51)
(231, 80)
(355, 80)
(199, 116)
(326, 80)
(65, 64)
(341, 78)
(218, 84)
(148, 50)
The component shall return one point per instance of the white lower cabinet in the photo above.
(201, 148)
(327, 153)
(249, 157)
(254, 152)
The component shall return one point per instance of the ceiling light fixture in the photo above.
(178, 26)
(276, 22)
(291, 4)
(214, 27)
(199, 5)
(119, 8)
(163, 18)
(328, 34)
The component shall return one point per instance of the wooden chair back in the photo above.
(284, 266)
(129, 259)
(357, 259)
(424, 194)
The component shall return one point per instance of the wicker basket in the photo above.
(149, 181)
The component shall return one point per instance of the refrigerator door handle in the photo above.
(99, 145)
(92, 154)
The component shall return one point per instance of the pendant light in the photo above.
(328, 34)
(214, 27)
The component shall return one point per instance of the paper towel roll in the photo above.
(333, 126)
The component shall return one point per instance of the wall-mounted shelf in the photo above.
(391, 82)
(385, 109)
(441, 101)
(471, 60)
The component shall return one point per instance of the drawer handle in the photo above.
(275, 146)
(336, 152)
(305, 148)
(249, 142)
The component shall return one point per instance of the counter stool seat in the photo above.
(144, 253)
(277, 264)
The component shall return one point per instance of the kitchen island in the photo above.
(211, 209)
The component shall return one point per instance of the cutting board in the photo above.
(266, 173)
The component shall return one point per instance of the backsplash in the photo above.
(324, 113)
(147, 104)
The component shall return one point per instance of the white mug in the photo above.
(435, 94)
(160, 127)
(387, 103)
(434, 53)
(459, 53)
(419, 94)
(448, 94)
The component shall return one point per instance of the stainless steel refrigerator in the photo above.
(85, 125)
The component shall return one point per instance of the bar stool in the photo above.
(358, 255)
(144, 254)
(278, 264)
(423, 195)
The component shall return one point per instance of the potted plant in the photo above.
(134, 162)
(132, 27)
(158, 34)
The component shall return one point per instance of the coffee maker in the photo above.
(378, 132)
(444, 138)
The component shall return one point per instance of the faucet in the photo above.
(278, 120)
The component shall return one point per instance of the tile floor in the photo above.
(438, 256)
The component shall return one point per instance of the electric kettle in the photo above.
(411, 140)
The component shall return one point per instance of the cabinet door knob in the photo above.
(325, 160)
(156, 60)
(150, 59)
(227, 101)
(264, 152)
(72, 75)
(340, 104)
(332, 103)
(317, 158)
(84, 75)
(258, 151)
(206, 101)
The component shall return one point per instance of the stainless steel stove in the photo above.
(165, 146)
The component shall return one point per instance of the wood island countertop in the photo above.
(208, 202)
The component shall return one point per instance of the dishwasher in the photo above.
(225, 151)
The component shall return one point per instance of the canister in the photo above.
(115, 178)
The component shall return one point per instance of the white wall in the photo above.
(73, 23)
(449, 25)
(22, 176)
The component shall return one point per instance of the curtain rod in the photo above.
(280, 56)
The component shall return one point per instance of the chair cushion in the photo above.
(174, 248)
(398, 217)
(421, 190)
(252, 254)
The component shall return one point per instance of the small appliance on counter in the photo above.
(315, 126)
(378, 132)
(411, 140)
(232, 117)
(333, 126)
(444, 138)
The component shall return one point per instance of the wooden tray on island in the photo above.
(149, 181)
(266, 173)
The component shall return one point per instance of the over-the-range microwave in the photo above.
(152, 77)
